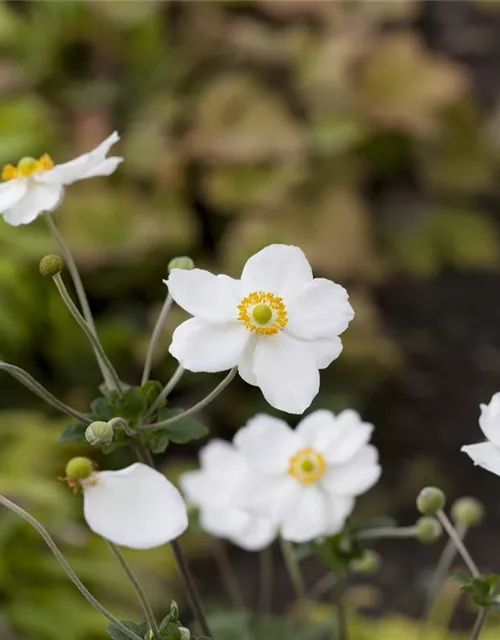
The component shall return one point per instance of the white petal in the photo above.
(224, 523)
(489, 420)
(286, 373)
(245, 366)
(135, 507)
(275, 269)
(78, 168)
(324, 350)
(339, 509)
(307, 518)
(317, 429)
(203, 295)
(354, 477)
(321, 309)
(206, 491)
(104, 168)
(267, 444)
(11, 192)
(258, 534)
(200, 346)
(485, 455)
(37, 199)
(268, 495)
(221, 459)
(348, 437)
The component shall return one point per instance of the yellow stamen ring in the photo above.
(26, 167)
(307, 466)
(263, 313)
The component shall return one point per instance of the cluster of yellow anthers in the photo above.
(27, 166)
(263, 313)
(307, 465)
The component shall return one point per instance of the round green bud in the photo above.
(369, 562)
(467, 512)
(99, 434)
(181, 262)
(79, 468)
(51, 265)
(262, 313)
(430, 500)
(185, 633)
(427, 530)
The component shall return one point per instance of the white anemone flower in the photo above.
(214, 488)
(135, 507)
(278, 324)
(35, 186)
(487, 454)
(307, 479)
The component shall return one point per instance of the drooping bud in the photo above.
(428, 530)
(99, 434)
(467, 512)
(368, 563)
(79, 468)
(430, 500)
(51, 265)
(181, 262)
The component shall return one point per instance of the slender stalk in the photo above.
(199, 405)
(112, 379)
(167, 305)
(324, 584)
(265, 581)
(293, 569)
(146, 607)
(386, 532)
(339, 604)
(33, 385)
(178, 373)
(228, 576)
(67, 568)
(450, 530)
(478, 626)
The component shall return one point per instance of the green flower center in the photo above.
(262, 313)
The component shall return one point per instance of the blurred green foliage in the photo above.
(243, 123)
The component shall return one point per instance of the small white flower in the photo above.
(135, 507)
(278, 324)
(35, 186)
(214, 488)
(307, 479)
(487, 454)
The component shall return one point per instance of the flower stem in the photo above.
(33, 385)
(478, 625)
(339, 603)
(178, 373)
(293, 569)
(265, 581)
(228, 576)
(67, 568)
(111, 377)
(386, 532)
(155, 336)
(146, 607)
(452, 533)
(199, 405)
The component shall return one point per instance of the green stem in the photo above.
(178, 373)
(339, 603)
(478, 626)
(112, 379)
(67, 568)
(146, 607)
(265, 581)
(293, 569)
(167, 305)
(228, 576)
(199, 405)
(33, 385)
(452, 533)
(386, 532)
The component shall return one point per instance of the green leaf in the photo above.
(74, 432)
(117, 634)
(150, 391)
(131, 406)
(462, 578)
(185, 430)
(158, 441)
(101, 410)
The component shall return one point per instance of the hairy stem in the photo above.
(178, 373)
(167, 305)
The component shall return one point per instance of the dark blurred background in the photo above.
(368, 133)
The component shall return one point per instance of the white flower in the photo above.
(135, 507)
(214, 488)
(35, 186)
(487, 454)
(307, 479)
(278, 324)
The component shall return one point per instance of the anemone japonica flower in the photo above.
(134, 507)
(213, 489)
(487, 454)
(307, 479)
(278, 324)
(35, 186)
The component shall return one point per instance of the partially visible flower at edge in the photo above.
(487, 454)
(278, 324)
(35, 186)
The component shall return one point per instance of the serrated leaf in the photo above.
(150, 391)
(158, 441)
(101, 410)
(183, 431)
(74, 432)
(117, 634)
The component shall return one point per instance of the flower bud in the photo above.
(428, 530)
(181, 262)
(467, 512)
(79, 468)
(185, 633)
(51, 265)
(368, 563)
(174, 611)
(430, 500)
(99, 434)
